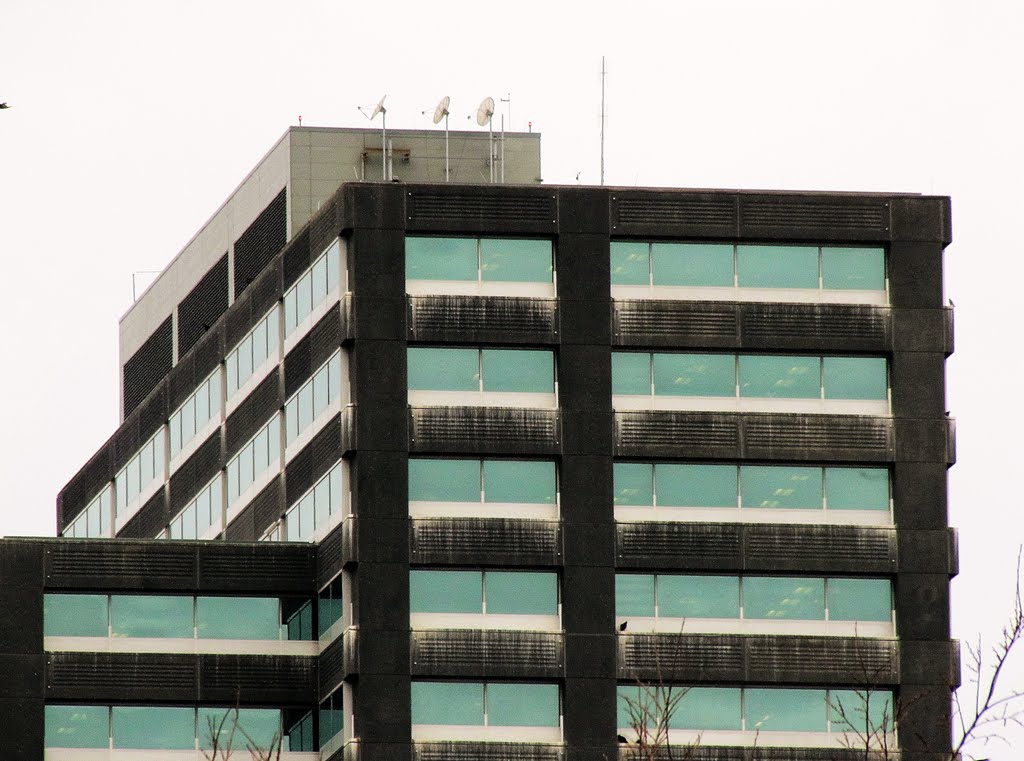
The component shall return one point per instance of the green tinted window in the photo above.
(519, 370)
(440, 258)
(522, 481)
(521, 592)
(256, 726)
(866, 712)
(857, 488)
(445, 592)
(74, 615)
(77, 726)
(511, 260)
(151, 616)
(238, 618)
(859, 599)
(699, 596)
(774, 710)
(634, 594)
(456, 703)
(444, 369)
(695, 485)
(855, 378)
(695, 374)
(853, 268)
(634, 483)
(781, 487)
(156, 728)
(444, 480)
(692, 264)
(777, 266)
(522, 705)
(784, 597)
(332, 718)
(780, 377)
(707, 708)
(631, 373)
(630, 263)
(631, 704)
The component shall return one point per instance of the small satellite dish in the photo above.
(442, 109)
(379, 108)
(485, 112)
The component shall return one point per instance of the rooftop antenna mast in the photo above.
(441, 112)
(484, 116)
(380, 109)
(603, 74)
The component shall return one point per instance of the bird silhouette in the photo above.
(4, 105)
(623, 625)
(621, 739)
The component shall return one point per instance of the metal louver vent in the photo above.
(641, 542)
(864, 325)
(669, 655)
(675, 318)
(704, 211)
(451, 314)
(465, 539)
(426, 206)
(487, 751)
(644, 430)
(835, 547)
(868, 216)
(81, 564)
(446, 427)
(471, 652)
(835, 433)
(861, 660)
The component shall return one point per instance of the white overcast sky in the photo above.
(130, 122)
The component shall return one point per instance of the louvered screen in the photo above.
(116, 677)
(260, 242)
(486, 653)
(147, 367)
(486, 751)
(481, 209)
(203, 305)
(252, 414)
(674, 323)
(195, 473)
(258, 679)
(816, 325)
(675, 213)
(488, 540)
(479, 318)
(830, 218)
(497, 429)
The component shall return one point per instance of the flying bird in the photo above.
(4, 105)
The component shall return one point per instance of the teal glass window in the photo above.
(151, 616)
(859, 599)
(634, 483)
(634, 595)
(444, 369)
(692, 264)
(777, 266)
(298, 618)
(632, 706)
(445, 591)
(151, 727)
(695, 485)
(330, 606)
(521, 592)
(440, 258)
(784, 597)
(695, 374)
(855, 378)
(707, 708)
(453, 703)
(519, 370)
(238, 618)
(519, 481)
(698, 596)
(787, 710)
(522, 705)
(857, 488)
(257, 726)
(435, 480)
(77, 726)
(783, 377)
(332, 718)
(863, 712)
(859, 268)
(781, 487)
(74, 615)
(515, 260)
(630, 263)
(631, 373)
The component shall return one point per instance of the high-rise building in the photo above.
(449, 471)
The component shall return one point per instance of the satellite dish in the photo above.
(379, 108)
(485, 112)
(442, 109)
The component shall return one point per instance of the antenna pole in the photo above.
(503, 149)
(603, 73)
(490, 143)
(447, 174)
(384, 144)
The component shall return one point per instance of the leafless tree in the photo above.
(221, 734)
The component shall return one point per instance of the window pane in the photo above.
(232, 370)
(333, 265)
(695, 374)
(855, 378)
(520, 261)
(291, 315)
(260, 726)
(305, 407)
(634, 594)
(777, 266)
(857, 488)
(304, 295)
(699, 596)
(458, 703)
(521, 592)
(446, 591)
(695, 485)
(132, 479)
(151, 616)
(320, 392)
(867, 712)
(259, 343)
(780, 487)
(519, 370)
(320, 280)
(695, 264)
(202, 398)
(706, 708)
(522, 705)
(244, 361)
(153, 727)
(784, 597)
(321, 502)
(74, 615)
(523, 481)
(853, 268)
(77, 726)
(859, 599)
(630, 707)
(444, 369)
(238, 618)
(444, 480)
(634, 483)
(334, 378)
(780, 377)
(631, 373)
(440, 258)
(146, 465)
(786, 710)
(630, 264)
